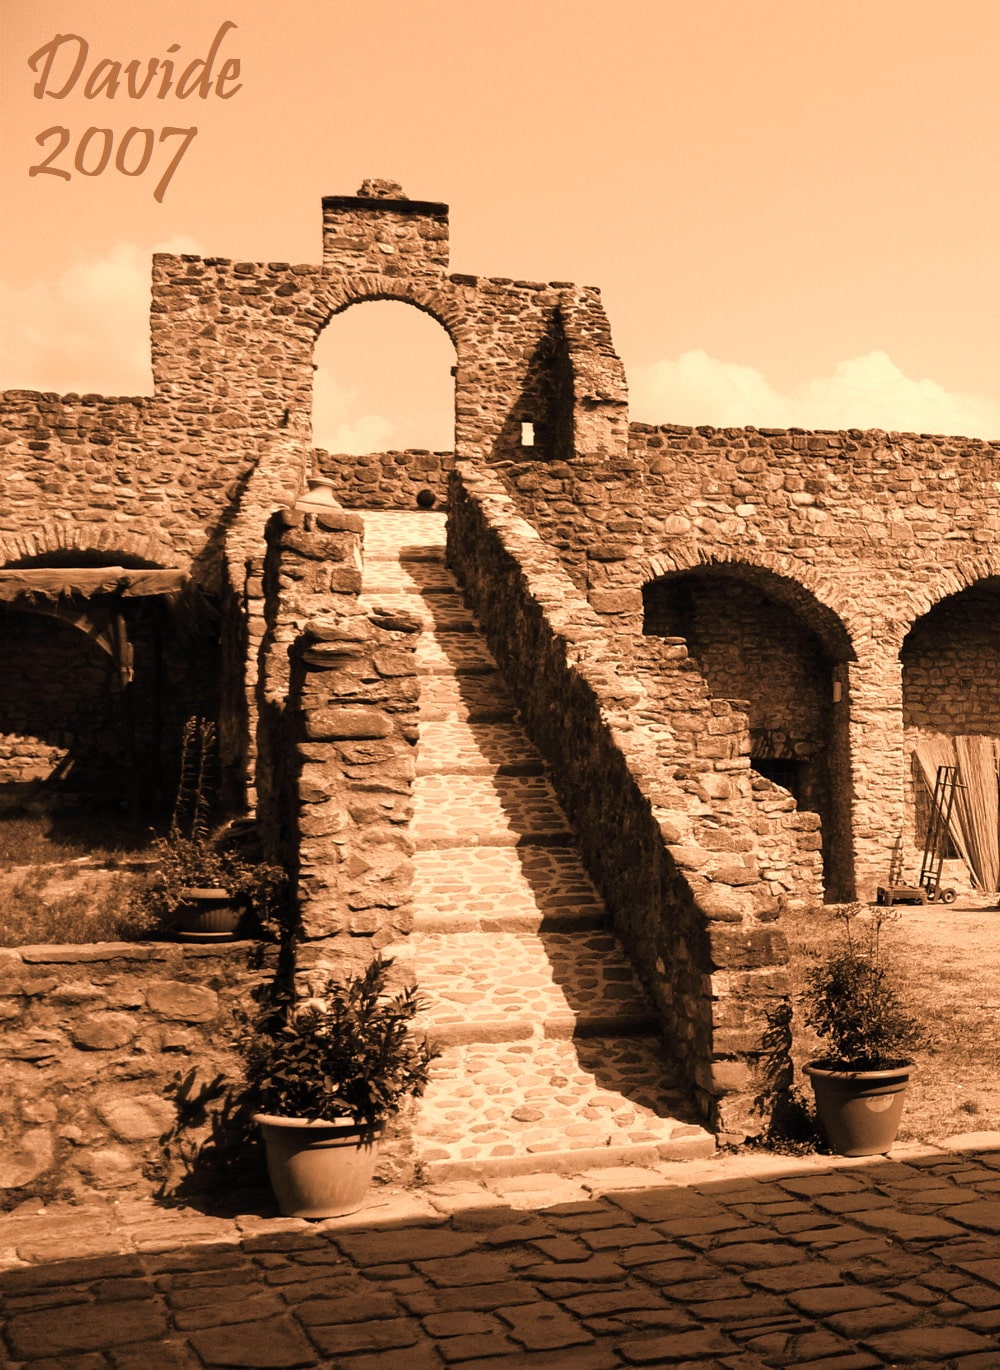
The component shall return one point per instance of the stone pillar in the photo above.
(875, 701)
(381, 232)
(338, 730)
(356, 702)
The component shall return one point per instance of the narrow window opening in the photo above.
(527, 435)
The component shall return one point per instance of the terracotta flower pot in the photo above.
(859, 1110)
(318, 1169)
(206, 914)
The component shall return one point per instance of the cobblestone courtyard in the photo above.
(741, 1262)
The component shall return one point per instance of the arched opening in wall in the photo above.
(762, 639)
(384, 405)
(104, 657)
(951, 715)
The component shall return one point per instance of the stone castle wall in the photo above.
(858, 534)
(389, 480)
(818, 599)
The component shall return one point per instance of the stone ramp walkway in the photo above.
(549, 1054)
(740, 1263)
(504, 889)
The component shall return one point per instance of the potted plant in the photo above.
(327, 1072)
(853, 1002)
(202, 882)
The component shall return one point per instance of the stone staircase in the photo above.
(550, 1060)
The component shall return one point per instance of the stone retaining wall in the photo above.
(666, 826)
(94, 1038)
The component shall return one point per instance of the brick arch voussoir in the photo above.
(967, 574)
(443, 305)
(819, 603)
(85, 537)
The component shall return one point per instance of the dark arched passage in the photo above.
(104, 659)
(764, 640)
(951, 712)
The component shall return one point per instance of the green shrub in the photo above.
(853, 999)
(346, 1052)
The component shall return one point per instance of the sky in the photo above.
(790, 205)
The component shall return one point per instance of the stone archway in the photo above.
(400, 449)
(951, 691)
(765, 641)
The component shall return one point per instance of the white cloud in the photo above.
(863, 392)
(337, 427)
(86, 330)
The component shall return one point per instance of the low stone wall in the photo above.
(25, 759)
(95, 1040)
(667, 828)
(388, 480)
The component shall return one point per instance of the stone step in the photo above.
(442, 613)
(474, 698)
(506, 986)
(457, 746)
(549, 1059)
(453, 654)
(408, 578)
(486, 811)
(555, 1105)
(503, 889)
(411, 535)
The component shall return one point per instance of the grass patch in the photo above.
(58, 904)
(35, 839)
(949, 969)
(58, 881)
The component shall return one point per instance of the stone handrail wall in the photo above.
(696, 916)
(275, 480)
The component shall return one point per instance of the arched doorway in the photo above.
(384, 403)
(951, 714)
(762, 639)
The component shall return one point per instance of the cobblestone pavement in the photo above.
(741, 1262)
(545, 1026)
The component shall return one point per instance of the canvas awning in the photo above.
(63, 582)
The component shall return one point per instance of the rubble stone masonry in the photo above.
(858, 534)
(670, 605)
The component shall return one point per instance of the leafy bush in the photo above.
(854, 1001)
(346, 1052)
